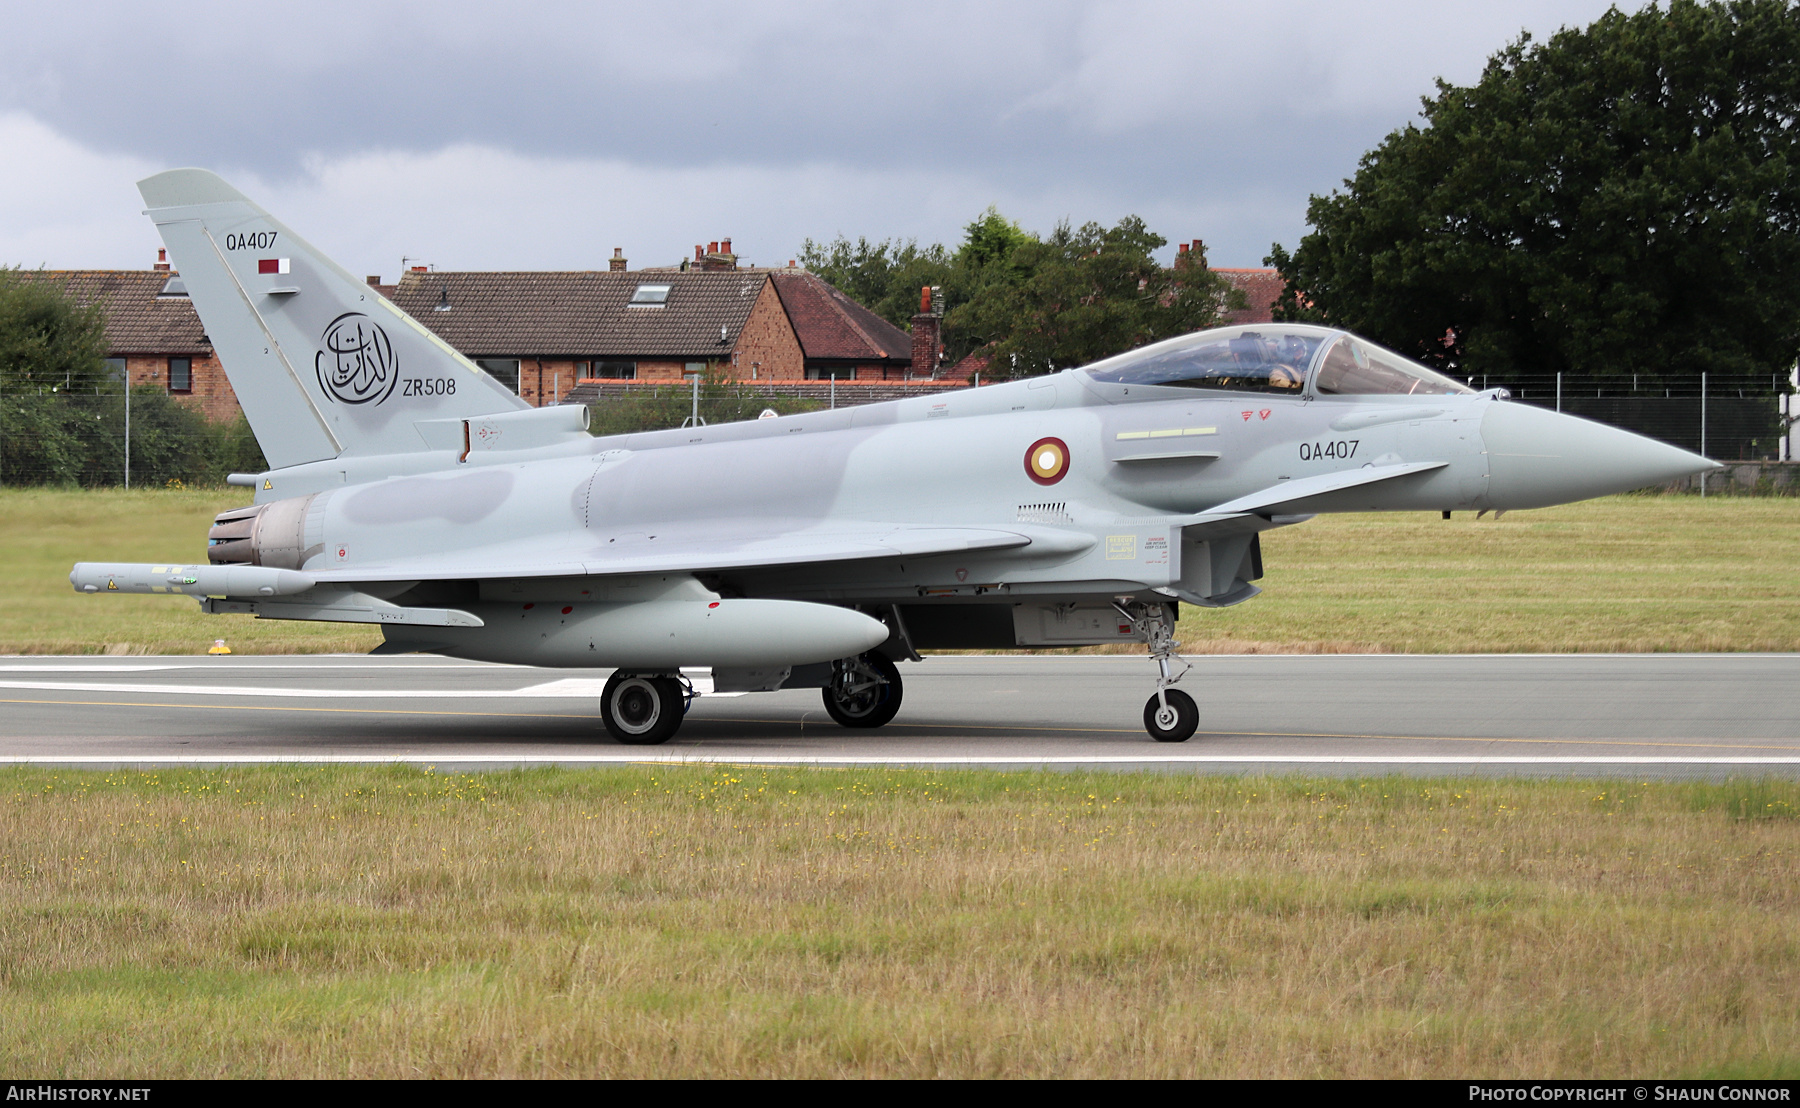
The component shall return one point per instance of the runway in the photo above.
(1665, 715)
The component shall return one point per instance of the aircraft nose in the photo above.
(1537, 457)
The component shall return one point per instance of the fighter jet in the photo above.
(410, 490)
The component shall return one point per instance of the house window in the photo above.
(181, 375)
(842, 374)
(503, 370)
(616, 371)
(651, 295)
(115, 367)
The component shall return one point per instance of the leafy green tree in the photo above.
(1082, 295)
(991, 241)
(1621, 199)
(62, 412)
(1029, 303)
(884, 276)
(40, 440)
(47, 342)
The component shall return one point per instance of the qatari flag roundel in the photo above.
(271, 265)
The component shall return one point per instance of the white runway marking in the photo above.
(205, 663)
(264, 690)
(626, 757)
(583, 687)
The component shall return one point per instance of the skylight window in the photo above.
(651, 294)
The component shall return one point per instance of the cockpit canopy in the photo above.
(1277, 358)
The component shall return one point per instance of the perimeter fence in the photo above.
(1732, 417)
(109, 437)
(1736, 417)
(148, 438)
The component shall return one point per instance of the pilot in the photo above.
(1286, 376)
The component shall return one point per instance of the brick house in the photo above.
(153, 334)
(541, 332)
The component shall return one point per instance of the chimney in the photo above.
(617, 263)
(1198, 246)
(1182, 248)
(699, 252)
(725, 247)
(927, 330)
(373, 280)
(790, 263)
(712, 248)
(419, 269)
(162, 261)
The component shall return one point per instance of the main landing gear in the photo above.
(864, 691)
(1171, 716)
(644, 710)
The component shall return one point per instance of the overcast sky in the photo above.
(540, 136)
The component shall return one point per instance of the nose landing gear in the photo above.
(1171, 716)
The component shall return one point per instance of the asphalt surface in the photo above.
(1664, 715)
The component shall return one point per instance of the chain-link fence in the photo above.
(657, 408)
(1728, 416)
(150, 439)
(111, 437)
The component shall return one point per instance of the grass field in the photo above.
(1652, 573)
(680, 921)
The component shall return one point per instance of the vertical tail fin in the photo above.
(323, 364)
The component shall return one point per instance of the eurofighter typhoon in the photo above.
(410, 490)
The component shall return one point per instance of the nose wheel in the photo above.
(642, 710)
(1171, 716)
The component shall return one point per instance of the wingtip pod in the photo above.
(180, 188)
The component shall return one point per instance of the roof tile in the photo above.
(833, 327)
(583, 314)
(1261, 287)
(137, 322)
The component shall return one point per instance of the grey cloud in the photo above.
(1159, 106)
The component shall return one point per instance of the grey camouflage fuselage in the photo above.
(411, 490)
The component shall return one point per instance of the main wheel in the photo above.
(641, 711)
(864, 691)
(1174, 723)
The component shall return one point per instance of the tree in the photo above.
(1071, 298)
(1621, 199)
(47, 342)
(1082, 295)
(884, 276)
